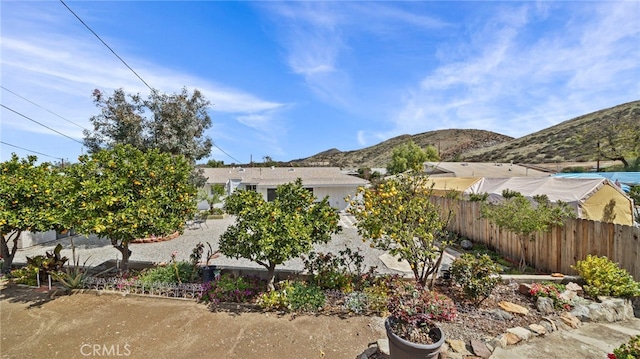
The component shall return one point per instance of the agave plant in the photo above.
(72, 278)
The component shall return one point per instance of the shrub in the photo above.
(276, 299)
(26, 275)
(550, 290)
(356, 302)
(477, 275)
(329, 271)
(630, 350)
(228, 288)
(173, 272)
(306, 297)
(604, 277)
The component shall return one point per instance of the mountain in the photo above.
(561, 143)
(450, 143)
(555, 144)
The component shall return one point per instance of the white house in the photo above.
(323, 181)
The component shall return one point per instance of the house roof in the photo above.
(480, 169)
(274, 176)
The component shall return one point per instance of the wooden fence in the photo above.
(553, 251)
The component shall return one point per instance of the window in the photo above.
(251, 187)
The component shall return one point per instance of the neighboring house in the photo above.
(323, 181)
(597, 199)
(479, 169)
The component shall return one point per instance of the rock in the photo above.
(498, 342)
(545, 305)
(582, 312)
(568, 295)
(458, 346)
(480, 349)
(622, 308)
(557, 275)
(513, 308)
(512, 339)
(383, 346)
(553, 325)
(574, 287)
(570, 320)
(521, 332)
(500, 314)
(546, 325)
(466, 244)
(537, 329)
(367, 353)
(452, 355)
(562, 325)
(525, 288)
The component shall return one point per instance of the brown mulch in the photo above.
(480, 322)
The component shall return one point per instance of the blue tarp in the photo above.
(626, 179)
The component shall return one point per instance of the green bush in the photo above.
(174, 272)
(26, 275)
(339, 272)
(604, 277)
(630, 350)
(306, 297)
(477, 275)
(276, 299)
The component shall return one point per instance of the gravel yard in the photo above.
(100, 250)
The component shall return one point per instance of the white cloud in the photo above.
(43, 61)
(515, 81)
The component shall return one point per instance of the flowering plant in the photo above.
(550, 290)
(414, 311)
(629, 350)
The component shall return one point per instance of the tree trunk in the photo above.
(436, 269)
(7, 256)
(126, 253)
(271, 277)
(523, 256)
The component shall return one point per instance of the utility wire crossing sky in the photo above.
(290, 79)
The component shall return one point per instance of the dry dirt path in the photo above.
(88, 325)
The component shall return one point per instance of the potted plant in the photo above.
(210, 272)
(411, 326)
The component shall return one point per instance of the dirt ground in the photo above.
(111, 325)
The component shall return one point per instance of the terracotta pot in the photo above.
(403, 349)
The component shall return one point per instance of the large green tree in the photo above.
(397, 215)
(32, 198)
(171, 123)
(270, 233)
(524, 217)
(124, 193)
(410, 156)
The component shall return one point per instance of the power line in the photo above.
(127, 65)
(223, 151)
(51, 112)
(30, 119)
(105, 44)
(22, 148)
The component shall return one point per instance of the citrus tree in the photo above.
(32, 198)
(397, 215)
(524, 217)
(270, 233)
(124, 193)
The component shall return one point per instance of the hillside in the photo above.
(555, 144)
(560, 143)
(451, 143)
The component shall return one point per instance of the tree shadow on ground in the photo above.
(34, 297)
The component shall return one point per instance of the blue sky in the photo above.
(291, 79)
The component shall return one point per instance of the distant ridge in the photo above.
(555, 144)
